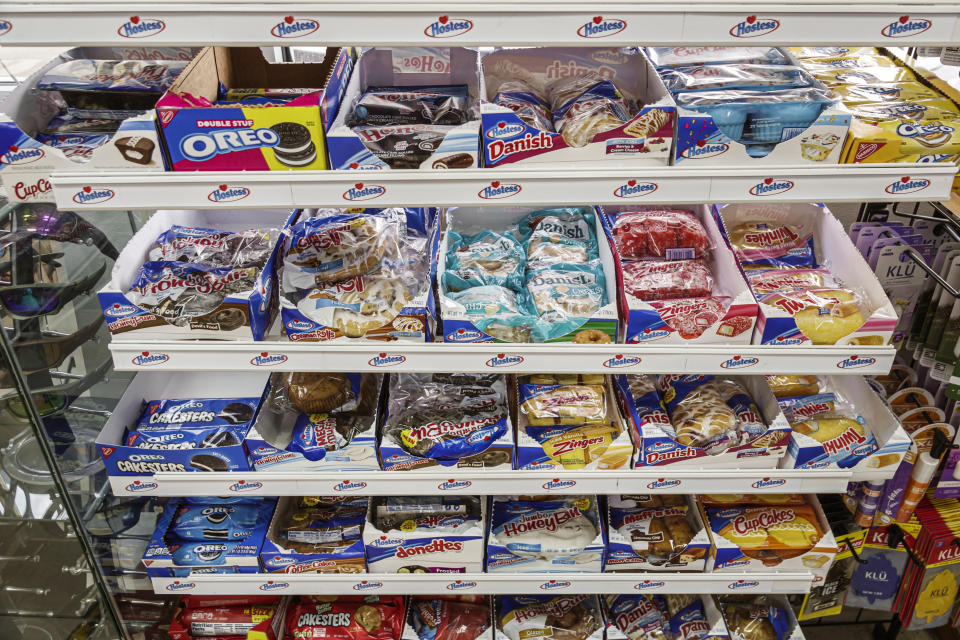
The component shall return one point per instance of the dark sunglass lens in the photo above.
(30, 301)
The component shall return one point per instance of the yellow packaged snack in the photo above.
(822, 315)
(785, 386)
(575, 447)
(832, 52)
(899, 138)
(885, 92)
(565, 404)
(923, 110)
(833, 76)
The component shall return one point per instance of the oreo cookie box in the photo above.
(645, 323)
(131, 468)
(26, 163)
(169, 575)
(398, 68)
(251, 134)
(245, 315)
(643, 140)
(655, 447)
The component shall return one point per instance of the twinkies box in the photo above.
(199, 136)
(239, 316)
(643, 140)
(26, 163)
(834, 249)
(131, 469)
(649, 324)
(892, 441)
(655, 447)
(279, 555)
(406, 67)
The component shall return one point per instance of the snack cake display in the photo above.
(654, 533)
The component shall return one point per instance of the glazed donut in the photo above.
(591, 336)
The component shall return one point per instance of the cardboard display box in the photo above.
(278, 558)
(621, 555)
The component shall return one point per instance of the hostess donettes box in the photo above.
(232, 109)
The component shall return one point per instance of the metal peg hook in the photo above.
(897, 537)
(949, 224)
(918, 259)
(853, 552)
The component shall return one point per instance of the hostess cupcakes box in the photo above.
(233, 110)
(408, 108)
(183, 422)
(88, 109)
(589, 106)
(196, 274)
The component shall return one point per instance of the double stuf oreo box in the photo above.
(131, 468)
(231, 109)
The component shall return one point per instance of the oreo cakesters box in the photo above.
(261, 135)
(644, 139)
(131, 467)
(399, 68)
(240, 316)
(26, 163)
(429, 534)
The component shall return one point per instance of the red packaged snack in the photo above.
(674, 234)
(346, 618)
(652, 280)
(212, 622)
(440, 618)
(690, 317)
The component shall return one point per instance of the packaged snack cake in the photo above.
(366, 617)
(668, 536)
(322, 534)
(458, 617)
(574, 617)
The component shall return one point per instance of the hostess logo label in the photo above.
(120, 310)
(349, 485)
(453, 485)
(662, 483)
(905, 26)
(739, 362)
(244, 485)
(555, 584)
(497, 190)
(267, 359)
(89, 195)
(503, 360)
(366, 585)
(137, 27)
(223, 193)
(461, 585)
(754, 27)
(599, 27)
(704, 149)
(447, 27)
(855, 362)
(766, 483)
(651, 334)
(5, 27)
(463, 335)
(300, 325)
(384, 360)
(361, 191)
(274, 586)
(906, 184)
(649, 584)
(504, 130)
(203, 146)
(634, 189)
(138, 486)
(176, 585)
(557, 483)
(743, 584)
(14, 155)
(291, 27)
(771, 187)
(147, 359)
(621, 360)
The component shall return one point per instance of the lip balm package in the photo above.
(874, 583)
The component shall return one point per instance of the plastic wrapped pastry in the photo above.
(755, 618)
(447, 105)
(563, 404)
(762, 244)
(771, 533)
(346, 617)
(212, 247)
(543, 530)
(709, 412)
(487, 258)
(685, 55)
(638, 617)
(735, 76)
(773, 280)
(671, 234)
(657, 534)
(822, 315)
(652, 280)
(449, 618)
(572, 617)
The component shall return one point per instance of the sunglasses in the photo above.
(44, 265)
(28, 301)
(41, 354)
(54, 399)
(63, 226)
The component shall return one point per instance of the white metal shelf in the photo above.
(282, 355)
(272, 189)
(485, 583)
(481, 22)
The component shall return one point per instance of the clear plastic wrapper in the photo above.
(791, 104)
(558, 237)
(403, 146)
(529, 106)
(684, 55)
(427, 512)
(583, 106)
(563, 404)
(449, 617)
(754, 618)
(431, 418)
(368, 617)
(688, 621)
(670, 279)
(645, 396)
(884, 92)
(151, 76)
(360, 304)
(322, 529)
(824, 316)
(565, 297)
(224, 622)
(498, 311)
(773, 280)
(487, 258)
(67, 123)
(638, 617)
(213, 247)
(765, 244)
(690, 317)
(565, 617)
(671, 234)
(657, 534)
(924, 110)
(757, 77)
(446, 105)
(786, 385)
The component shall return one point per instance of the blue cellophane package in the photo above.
(755, 77)
(487, 258)
(323, 538)
(113, 75)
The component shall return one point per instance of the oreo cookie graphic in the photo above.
(295, 148)
(236, 413)
(205, 462)
(219, 439)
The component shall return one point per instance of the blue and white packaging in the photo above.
(244, 315)
(412, 630)
(131, 469)
(641, 613)
(626, 554)
(563, 535)
(405, 67)
(276, 557)
(530, 616)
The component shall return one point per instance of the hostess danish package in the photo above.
(728, 420)
(666, 537)
(359, 276)
(426, 534)
(189, 275)
(318, 421)
(574, 617)
(449, 617)
(530, 534)
(194, 535)
(523, 274)
(442, 421)
(316, 534)
(570, 421)
(677, 281)
(553, 105)
(812, 285)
